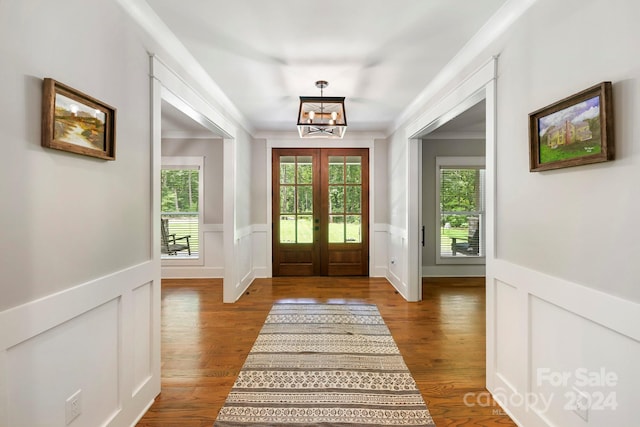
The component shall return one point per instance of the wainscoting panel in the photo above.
(397, 274)
(100, 338)
(585, 357)
(244, 255)
(214, 256)
(142, 335)
(259, 249)
(48, 368)
(557, 343)
(508, 331)
(380, 251)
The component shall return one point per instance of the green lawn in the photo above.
(447, 233)
(305, 232)
(569, 151)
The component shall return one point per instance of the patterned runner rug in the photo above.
(324, 364)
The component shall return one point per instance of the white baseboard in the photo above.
(192, 272)
(453, 271)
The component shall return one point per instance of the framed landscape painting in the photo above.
(577, 130)
(75, 122)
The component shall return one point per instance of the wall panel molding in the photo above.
(545, 326)
(125, 305)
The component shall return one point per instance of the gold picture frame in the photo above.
(76, 122)
(575, 131)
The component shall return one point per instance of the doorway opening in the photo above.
(320, 211)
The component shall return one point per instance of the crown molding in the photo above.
(497, 25)
(456, 135)
(163, 37)
(288, 135)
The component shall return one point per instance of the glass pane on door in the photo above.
(354, 169)
(353, 229)
(336, 229)
(305, 229)
(336, 169)
(296, 199)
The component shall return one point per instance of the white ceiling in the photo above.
(379, 54)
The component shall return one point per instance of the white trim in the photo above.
(229, 220)
(179, 134)
(55, 309)
(189, 102)
(610, 311)
(318, 142)
(413, 252)
(150, 22)
(453, 270)
(476, 87)
(172, 88)
(198, 272)
(490, 31)
(455, 135)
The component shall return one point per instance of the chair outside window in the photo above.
(171, 244)
(470, 247)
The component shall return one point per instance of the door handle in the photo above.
(422, 236)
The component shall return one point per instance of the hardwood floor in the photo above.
(205, 343)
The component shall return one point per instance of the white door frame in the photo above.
(168, 86)
(480, 85)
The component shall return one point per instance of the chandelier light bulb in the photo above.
(334, 116)
(312, 114)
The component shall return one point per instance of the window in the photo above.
(181, 202)
(460, 203)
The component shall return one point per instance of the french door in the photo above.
(320, 212)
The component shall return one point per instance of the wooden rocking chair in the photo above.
(169, 240)
(470, 247)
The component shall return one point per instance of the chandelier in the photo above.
(320, 116)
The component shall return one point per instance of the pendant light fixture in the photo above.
(320, 116)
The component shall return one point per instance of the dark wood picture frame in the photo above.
(577, 130)
(76, 122)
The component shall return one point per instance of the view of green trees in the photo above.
(459, 192)
(179, 189)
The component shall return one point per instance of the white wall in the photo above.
(379, 232)
(244, 229)
(79, 296)
(593, 205)
(397, 241)
(567, 238)
(562, 293)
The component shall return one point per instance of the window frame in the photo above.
(460, 162)
(197, 163)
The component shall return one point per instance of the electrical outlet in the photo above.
(582, 405)
(73, 406)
